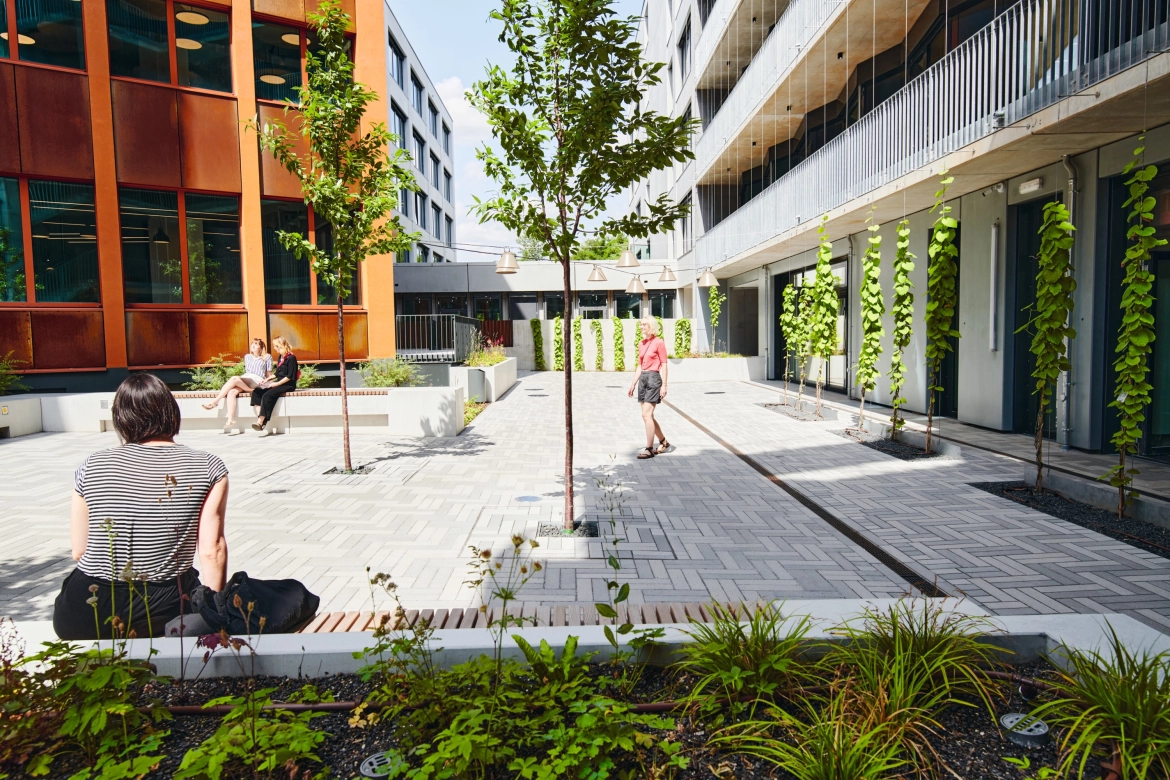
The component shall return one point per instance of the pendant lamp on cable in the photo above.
(708, 279)
(636, 287)
(627, 260)
(507, 263)
(667, 275)
(597, 275)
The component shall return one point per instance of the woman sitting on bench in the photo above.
(267, 393)
(257, 369)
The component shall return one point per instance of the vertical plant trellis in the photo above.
(578, 345)
(788, 329)
(715, 300)
(941, 295)
(903, 312)
(823, 322)
(599, 354)
(873, 309)
(682, 337)
(558, 345)
(1136, 335)
(538, 344)
(619, 346)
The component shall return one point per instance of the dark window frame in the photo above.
(398, 61)
(418, 94)
(312, 306)
(172, 51)
(13, 44)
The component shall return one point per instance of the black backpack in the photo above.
(285, 605)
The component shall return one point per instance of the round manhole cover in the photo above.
(388, 764)
(528, 498)
(1033, 732)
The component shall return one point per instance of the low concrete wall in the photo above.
(745, 369)
(498, 379)
(881, 427)
(19, 416)
(1103, 496)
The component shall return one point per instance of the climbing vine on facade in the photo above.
(578, 346)
(799, 300)
(660, 329)
(942, 293)
(1136, 335)
(682, 337)
(823, 322)
(715, 300)
(788, 330)
(619, 346)
(598, 353)
(538, 344)
(873, 309)
(903, 312)
(558, 345)
(1051, 315)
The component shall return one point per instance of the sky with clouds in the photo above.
(456, 41)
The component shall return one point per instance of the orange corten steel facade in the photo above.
(63, 124)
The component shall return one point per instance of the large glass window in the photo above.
(451, 304)
(437, 221)
(286, 277)
(447, 185)
(420, 209)
(404, 202)
(417, 94)
(450, 231)
(420, 153)
(50, 32)
(489, 307)
(203, 48)
(327, 293)
(522, 306)
(213, 248)
(591, 306)
(399, 128)
(434, 119)
(446, 138)
(424, 253)
(64, 242)
(276, 58)
(662, 304)
(554, 305)
(628, 306)
(152, 264)
(12, 280)
(3, 29)
(436, 169)
(397, 62)
(138, 39)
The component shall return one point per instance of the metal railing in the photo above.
(434, 338)
(1032, 55)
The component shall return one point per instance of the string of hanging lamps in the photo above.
(507, 265)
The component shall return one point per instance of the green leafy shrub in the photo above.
(619, 345)
(390, 372)
(310, 376)
(558, 345)
(903, 311)
(682, 337)
(471, 410)
(9, 376)
(578, 346)
(942, 295)
(538, 344)
(823, 314)
(215, 374)
(598, 352)
(484, 354)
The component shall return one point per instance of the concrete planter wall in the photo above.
(19, 417)
(525, 355)
(498, 379)
(745, 369)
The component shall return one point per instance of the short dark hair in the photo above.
(145, 409)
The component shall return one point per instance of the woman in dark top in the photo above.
(268, 393)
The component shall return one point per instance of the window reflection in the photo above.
(152, 263)
(326, 293)
(64, 242)
(276, 57)
(4, 30)
(50, 32)
(213, 249)
(286, 277)
(12, 281)
(203, 48)
(138, 39)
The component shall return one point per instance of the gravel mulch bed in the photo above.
(897, 449)
(807, 414)
(582, 530)
(1151, 538)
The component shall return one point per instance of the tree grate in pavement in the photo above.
(581, 530)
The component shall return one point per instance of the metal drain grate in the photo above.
(527, 498)
(1033, 734)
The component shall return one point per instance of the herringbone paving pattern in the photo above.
(699, 523)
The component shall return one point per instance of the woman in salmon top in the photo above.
(650, 380)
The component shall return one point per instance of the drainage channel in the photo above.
(925, 586)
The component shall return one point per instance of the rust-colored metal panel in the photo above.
(158, 338)
(209, 132)
(146, 134)
(16, 337)
(356, 340)
(274, 179)
(301, 331)
(53, 117)
(213, 333)
(285, 9)
(68, 339)
(349, 6)
(9, 148)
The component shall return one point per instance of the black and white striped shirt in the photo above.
(150, 497)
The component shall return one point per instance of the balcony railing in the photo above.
(1032, 55)
(434, 338)
(795, 29)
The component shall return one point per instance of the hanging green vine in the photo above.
(619, 346)
(873, 309)
(558, 345)
(715, 300)
(660, 330)
(903, 312)
(538, 344)
(823, 323)
(942, 294)
(598, 355)
(578, 346)
(1136, 335)
(1051, 315)
(788, 330)
(682, 338)
(799, 343)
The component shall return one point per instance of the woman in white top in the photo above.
(257, 369)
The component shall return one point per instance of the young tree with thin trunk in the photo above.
(349, 178)
(903, 312)
(569, 119)
(823, 325)
(788, 329)
(873, 309)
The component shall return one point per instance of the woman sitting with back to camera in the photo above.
(257, 369)
(268, 392)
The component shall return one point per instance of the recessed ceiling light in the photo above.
(24, 40)
(191, 17)
(187, 43)
(268, 78)
(292, 39)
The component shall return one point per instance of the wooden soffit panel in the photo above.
(146, 134)
(157, 338)
(209, 139)
(301, 331)
(16, 337)
(213, 333)
(53, 118)
(356, 340)
(68, 339)
(9, 147)
(275, 180)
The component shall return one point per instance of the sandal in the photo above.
(229, 427)
(646, 453)
(664, 446)
(210, 405)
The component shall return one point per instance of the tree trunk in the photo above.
(929, 409)
(820, 384)
(785, 379)
(1121, 487)
(567, 342)
(1040, 443)
(341, 366)
(861, 412)
(800, 386)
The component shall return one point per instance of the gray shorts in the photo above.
(650, 387)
